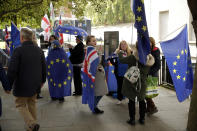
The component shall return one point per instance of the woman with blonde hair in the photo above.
(133, 90)
(120, 68)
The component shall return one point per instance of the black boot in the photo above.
(39, 97)
(131, 106)
(98, 111)
(142, 111)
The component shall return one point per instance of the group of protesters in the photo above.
(28, 69)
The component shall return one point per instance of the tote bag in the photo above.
(152, 87)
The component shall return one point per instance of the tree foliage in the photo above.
(30, 12)
(111, 12)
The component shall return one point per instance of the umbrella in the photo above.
(71, 30)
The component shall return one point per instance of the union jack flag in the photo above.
(61, 34)
(7, 36)
(88, 76)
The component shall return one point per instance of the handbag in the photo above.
(133, 74)
(152, 87)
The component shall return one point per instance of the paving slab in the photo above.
(73, 116)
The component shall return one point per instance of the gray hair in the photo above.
(26, 33)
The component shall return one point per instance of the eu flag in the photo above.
(142, 30)
(15, 38)
(111, 78)
(88, 73)
(59, 73)
(177, 54)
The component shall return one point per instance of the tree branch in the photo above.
(2, 13)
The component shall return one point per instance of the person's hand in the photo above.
(121, 51)
(69, 46)
(8, 92)
(5, 68)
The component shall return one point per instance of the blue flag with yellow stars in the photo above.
(15, 38)
(177, 54)
(59, 73)
(142, 30)
(111, 78)
(88, 73)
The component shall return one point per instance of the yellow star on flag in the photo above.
(139, 18)
(182, 52)
(75, 32)
(184, 78)
(52, 62)
(139, 8)
(174, 71)
(144, 28)
(57, 60)
(65, 82)
(84, 85)
(69, 71)
(51, 80)
(178, 77)
(174, 63)
(54, 84)
(49, 73)
(69, 77)
(63, 61)
(185, 51)
(91, 86)
(59, 85)
(178, 56)
(49, 66)
(67, 65)
(142, 1)
(67, 30)
(112, 71)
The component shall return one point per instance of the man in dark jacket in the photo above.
(5, 84)
(76, 58)
(27, 73)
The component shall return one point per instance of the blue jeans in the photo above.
(96, 100)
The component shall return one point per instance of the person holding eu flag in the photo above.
(59, 72)
(133, 90)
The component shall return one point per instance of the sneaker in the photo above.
(119, 102)
(98, 111)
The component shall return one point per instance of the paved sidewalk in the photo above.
(73, 116)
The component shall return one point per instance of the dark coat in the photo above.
(4, 79)
(156, 66)
(27, 69)
(77, 54)
(129, 89)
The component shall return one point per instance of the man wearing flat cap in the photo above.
(76, 58)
